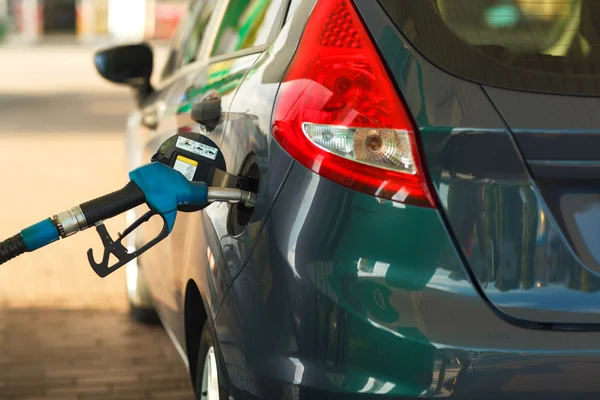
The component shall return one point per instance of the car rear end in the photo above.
(505, 95)
(438, 232)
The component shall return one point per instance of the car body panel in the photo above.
(201, 248)
(166, 285)
(214, 257)
(498, 217)
(375, 299)
(223, 78)
(303, 292)
(248, 134)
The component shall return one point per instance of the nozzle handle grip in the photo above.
(112, 204)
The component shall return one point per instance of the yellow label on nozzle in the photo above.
(187, 160)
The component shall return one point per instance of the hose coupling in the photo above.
(70, 222)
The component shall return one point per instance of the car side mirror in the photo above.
(130, 65)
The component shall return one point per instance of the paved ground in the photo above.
(63, 331)
(86, 354)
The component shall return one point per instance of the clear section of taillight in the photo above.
(384, 148)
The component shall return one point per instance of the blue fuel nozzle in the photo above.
(166, 189)
(159, 184)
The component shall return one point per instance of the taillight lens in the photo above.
(337, 111)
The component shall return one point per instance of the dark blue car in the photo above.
(428, 215)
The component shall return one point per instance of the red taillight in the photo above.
(337, 111)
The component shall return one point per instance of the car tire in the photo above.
(209, 379)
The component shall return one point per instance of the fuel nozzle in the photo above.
(163, 189)
(177, 179)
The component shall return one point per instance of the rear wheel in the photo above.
(208, 377)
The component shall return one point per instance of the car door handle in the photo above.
(207, 112)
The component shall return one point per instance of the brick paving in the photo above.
(79, 355)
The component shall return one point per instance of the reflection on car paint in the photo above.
(513, 246)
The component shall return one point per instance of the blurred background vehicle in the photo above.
(91, 20)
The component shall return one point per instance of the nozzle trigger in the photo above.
(117, 249)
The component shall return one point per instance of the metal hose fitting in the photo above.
(70, 222)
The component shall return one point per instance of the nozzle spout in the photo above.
(232, 196)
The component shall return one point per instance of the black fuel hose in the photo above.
(71, 221)
(11, 248)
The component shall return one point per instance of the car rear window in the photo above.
(550, 46)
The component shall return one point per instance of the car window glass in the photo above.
(188, 36)
(246, 24)
(550, 46)
(177, 41)
(197, 33)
